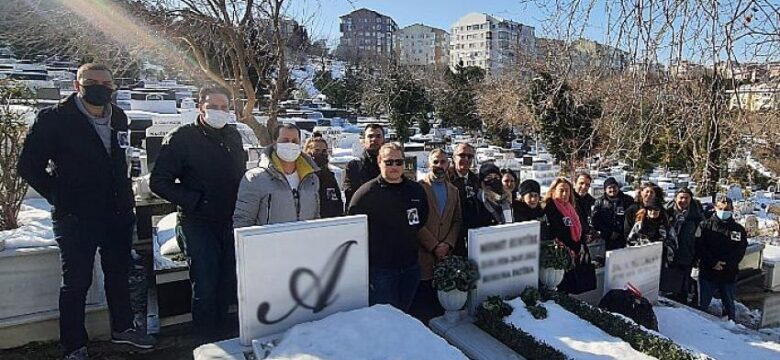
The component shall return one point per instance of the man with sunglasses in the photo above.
(360, 171)
(199, 168)
(467, 182)
(75, 156)
(397, 209)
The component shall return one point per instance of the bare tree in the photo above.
(13, 127)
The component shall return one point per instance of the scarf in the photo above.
(567, 210)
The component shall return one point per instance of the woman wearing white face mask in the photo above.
(284, 187)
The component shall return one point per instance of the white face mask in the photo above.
(288, 152)
(216, 118)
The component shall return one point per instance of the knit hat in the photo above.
(529, 186)
(610, 181)
(487, 169)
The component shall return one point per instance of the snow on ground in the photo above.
(376, 333)
(570, 334)
(35, 226)
(745, 316)
(719, 340)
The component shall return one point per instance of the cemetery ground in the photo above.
(174, 343)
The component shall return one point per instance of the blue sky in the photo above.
(322, 16)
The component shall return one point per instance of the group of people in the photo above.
(412, 224)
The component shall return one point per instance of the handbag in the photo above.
(581, 278)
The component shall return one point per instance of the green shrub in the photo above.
(455, 272)
(555, 256)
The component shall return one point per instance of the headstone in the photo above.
(770, 313)
(297, 272)
(507, 257)
(751, 225)
(410, 167)
(638, 265)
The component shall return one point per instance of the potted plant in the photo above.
(555, 262)
(453, 278)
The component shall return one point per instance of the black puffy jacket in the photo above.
(209, 165)
(85, 181)
(608, 218)
(724, 241)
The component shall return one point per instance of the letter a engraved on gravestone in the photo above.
(331, 274)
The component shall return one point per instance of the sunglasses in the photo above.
(466, 156)
(394, 162)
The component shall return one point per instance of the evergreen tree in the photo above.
(566, 122)
(459, 105)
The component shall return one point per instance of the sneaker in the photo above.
(79, 354)
(133, 337)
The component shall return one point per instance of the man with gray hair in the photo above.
(75, 156)
(720, 246)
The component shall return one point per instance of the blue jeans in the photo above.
(78, 240)
(728, 292)
(212, 259)
(393, 286)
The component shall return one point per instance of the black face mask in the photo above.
(372, 153)
(495, 185)
(321, 160)
(438, 172)
(97, 95)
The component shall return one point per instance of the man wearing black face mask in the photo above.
(494, 206)
(75, 157)
(331, 204)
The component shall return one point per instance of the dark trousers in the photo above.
(728, 293)
(426, 303)
(676, 282)
(393, 286)
(212, 259)
(78, 241)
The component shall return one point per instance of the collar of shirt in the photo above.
(102, 120)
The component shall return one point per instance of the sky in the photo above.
(321, 17)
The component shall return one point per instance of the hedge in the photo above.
(490, 318)
(641, 340)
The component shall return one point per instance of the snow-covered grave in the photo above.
(712, 337)
(570, 334)
(304, 286)
(377, 332)
(30, 278)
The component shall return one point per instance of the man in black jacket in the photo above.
(584, 203)
(397, 209)
(720, 246)
(360, 171)
(331, 204)
(208, 160)
(75, 156)
(609, 215)
(468, 185)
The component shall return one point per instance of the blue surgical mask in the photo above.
(723, 214)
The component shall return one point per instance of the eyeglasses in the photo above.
(394, 162)
(466, 156)
(437, 162)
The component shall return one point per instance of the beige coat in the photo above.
(438, 228)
